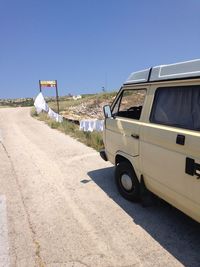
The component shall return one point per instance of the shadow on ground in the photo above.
(175, 231)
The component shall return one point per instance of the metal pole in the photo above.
(40, 86)
(57, 96)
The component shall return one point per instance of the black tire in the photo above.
(132, 193)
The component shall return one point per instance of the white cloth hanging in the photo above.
(40, 104)
(55, 116)
(91, 125)
(99, 125)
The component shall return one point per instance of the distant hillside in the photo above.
(18, 102)
(87, 107)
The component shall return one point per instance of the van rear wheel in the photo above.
(127, 182)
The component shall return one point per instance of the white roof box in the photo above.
(139, 76)
(180, 70)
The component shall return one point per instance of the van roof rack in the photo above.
(174, 71)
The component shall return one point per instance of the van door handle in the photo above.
(136, 136)
(180, 139)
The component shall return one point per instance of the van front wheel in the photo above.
(127, 182)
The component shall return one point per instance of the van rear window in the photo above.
(177, 106)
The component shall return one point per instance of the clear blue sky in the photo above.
(87, 44)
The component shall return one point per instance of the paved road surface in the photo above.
(59, 207)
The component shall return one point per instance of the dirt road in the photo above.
(59, 207)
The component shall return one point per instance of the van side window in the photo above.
(177, 106)
(129, 104)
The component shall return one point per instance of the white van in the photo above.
(152, 134)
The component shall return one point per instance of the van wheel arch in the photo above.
(126, 179)
(119, 159)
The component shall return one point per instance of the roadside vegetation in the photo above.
(91, 139)
(87, 107)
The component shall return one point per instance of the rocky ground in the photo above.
(87, 108)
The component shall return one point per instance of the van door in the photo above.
(123, 128)
(170, 147)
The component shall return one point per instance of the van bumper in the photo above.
(103, 154)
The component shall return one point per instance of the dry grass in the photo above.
(91, 139)
(92, 108)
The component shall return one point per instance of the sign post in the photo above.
(57, 96)
(40, 86)
(50, 84)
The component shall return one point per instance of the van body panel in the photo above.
(178, 201)
(163, 161)
(167, 167)
(118, 136)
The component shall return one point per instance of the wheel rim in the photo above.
(126, 182)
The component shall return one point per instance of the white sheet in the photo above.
(40, 104)
(91, 125)
(55, 116)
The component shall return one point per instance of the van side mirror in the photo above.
(107, 111)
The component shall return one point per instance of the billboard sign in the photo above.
(48, 83)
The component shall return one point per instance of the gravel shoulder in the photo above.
(63, 208)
